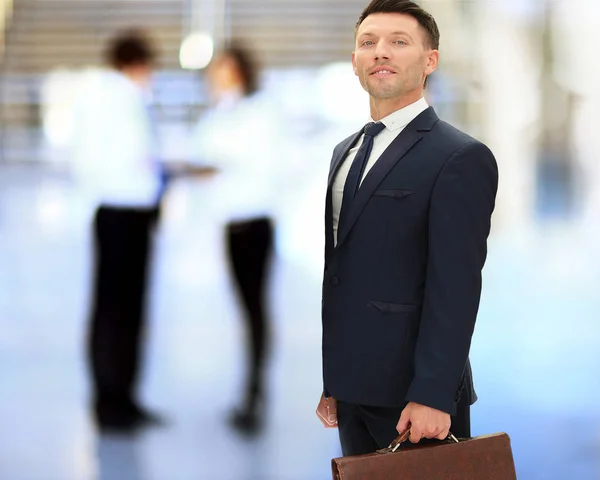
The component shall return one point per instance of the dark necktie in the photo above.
(358, 167)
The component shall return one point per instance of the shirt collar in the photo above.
(401, 118)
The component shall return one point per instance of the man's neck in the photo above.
(381, 108)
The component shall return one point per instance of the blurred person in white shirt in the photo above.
(242, 137)
(118, 173)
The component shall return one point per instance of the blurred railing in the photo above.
(6, 8)
(48, 42)
(5, 16)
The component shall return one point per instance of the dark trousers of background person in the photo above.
(122, 242)
(249, 248)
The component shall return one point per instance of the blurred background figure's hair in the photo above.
(130, 48)
(246, 64)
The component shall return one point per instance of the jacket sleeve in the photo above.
(462, 203)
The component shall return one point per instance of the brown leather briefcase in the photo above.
(488, 457)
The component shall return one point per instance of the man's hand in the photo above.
(327, 412)
(425, 422)
(180, 169)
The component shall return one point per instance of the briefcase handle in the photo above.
(403, 437)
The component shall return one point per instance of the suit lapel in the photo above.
(329, 247)
(338, 156)
(401, 145)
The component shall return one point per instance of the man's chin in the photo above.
(383, 94)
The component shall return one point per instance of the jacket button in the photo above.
(334, 280)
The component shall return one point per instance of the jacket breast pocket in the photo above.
(393, 193)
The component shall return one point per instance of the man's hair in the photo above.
(425, 19)
(130, 48)
(245, 63)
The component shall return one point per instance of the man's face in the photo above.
(391, 56)
(223, 76)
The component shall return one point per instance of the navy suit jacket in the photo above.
(401, 288)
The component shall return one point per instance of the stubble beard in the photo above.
(396, 86)
(382, 90)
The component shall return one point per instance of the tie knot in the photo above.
(373, 128)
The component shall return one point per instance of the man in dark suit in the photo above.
(408, 213)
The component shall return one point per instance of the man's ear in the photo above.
(432, 62)
(354, 64)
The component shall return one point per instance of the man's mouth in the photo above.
(382, 72)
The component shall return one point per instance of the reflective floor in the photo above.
(534, 353)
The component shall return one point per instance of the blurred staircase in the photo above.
(46, 36)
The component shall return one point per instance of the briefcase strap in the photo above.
(403, 437)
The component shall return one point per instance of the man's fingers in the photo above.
(332, 413)
(403, 422)
(415, 434)
(325, 420)
(415, 437)
(327, 412)
(322, 411)
(321, 417)
(424, 422)
(442, 432)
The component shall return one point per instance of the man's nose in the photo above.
(382, 51)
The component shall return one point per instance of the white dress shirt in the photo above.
(244, 139)
(394, 123)
(114, 144)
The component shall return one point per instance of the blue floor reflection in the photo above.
(534, 352)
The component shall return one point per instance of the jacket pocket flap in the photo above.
(393, 193)
(387, 307)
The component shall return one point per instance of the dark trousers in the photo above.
(249, 247)
(122, 248)
(365, 429)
